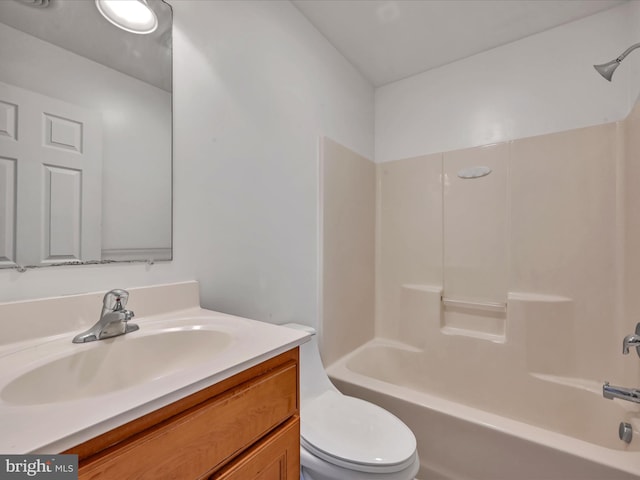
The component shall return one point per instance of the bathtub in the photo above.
(497, 429)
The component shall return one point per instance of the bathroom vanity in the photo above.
(245, 427)
(193, 394)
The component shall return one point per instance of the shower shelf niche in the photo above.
(472, 305)
(477, 319)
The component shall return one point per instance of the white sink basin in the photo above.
(55, 394)
(106, 366)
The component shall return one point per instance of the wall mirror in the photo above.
(85, 136)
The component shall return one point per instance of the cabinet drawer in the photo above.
(197, 441)
(277, 457)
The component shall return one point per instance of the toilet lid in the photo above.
(356, 434)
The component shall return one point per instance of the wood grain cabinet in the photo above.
(275, 459)
(243, 428)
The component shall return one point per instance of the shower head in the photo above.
(607, 69)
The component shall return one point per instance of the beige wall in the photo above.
(409, 244)
(564, 236)
(348, 218)
(544, 232)
(550, 234)
(629, 182)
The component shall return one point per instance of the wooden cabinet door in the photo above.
(275, 458)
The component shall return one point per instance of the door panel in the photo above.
(56, 148)
(7, 211)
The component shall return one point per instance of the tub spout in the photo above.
(628, 394)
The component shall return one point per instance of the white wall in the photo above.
(544, 83)
(255, 86)
(136, 122)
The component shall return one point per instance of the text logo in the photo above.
(50, 467)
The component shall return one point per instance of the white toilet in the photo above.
(345, 438)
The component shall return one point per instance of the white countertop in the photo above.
(53, 427)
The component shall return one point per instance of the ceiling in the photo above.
(77, 26)
(387, 40)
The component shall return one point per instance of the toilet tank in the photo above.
(313, 377)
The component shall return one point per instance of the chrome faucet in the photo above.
(629, 394)
(114, 319)
(623, 393)
(632, 341)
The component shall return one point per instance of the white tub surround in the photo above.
(537, 258)
(508, 294)
(465, 439)
(164, 361)
(347, 229)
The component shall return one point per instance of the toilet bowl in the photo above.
(346, 438)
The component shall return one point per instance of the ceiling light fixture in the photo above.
(134, 16)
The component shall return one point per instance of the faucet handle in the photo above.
(632, 341)
(115, 300)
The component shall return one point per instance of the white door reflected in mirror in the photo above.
(66, 52)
